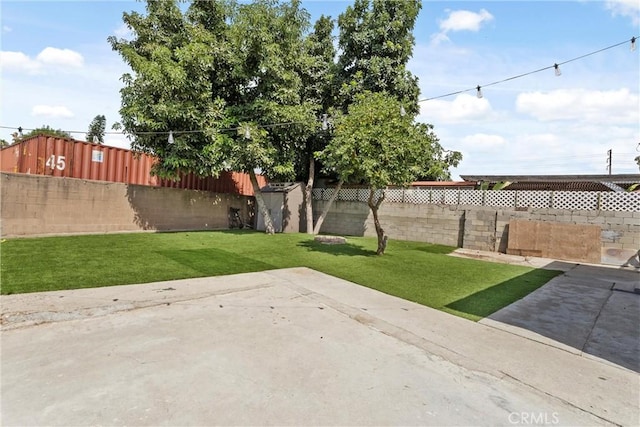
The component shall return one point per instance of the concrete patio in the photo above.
(286, 347)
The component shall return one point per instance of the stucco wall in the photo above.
(32, 205)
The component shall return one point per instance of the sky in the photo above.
(58, 70)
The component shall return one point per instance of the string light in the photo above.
(170, 139)
(478, 90)
(403, 112)
(446, 95)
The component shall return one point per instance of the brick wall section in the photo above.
(478, 227)
(33, 205)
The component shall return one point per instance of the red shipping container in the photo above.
(42, 155)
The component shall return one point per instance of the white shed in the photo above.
(285, 202)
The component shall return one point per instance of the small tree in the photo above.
(96, 129)
(374, 144)
(376, 43)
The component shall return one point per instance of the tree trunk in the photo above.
(308, 196)
(382, 238)
(325, 211)
(262, 208)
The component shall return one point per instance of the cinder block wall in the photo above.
(478, 227)
(423, 223)
(32, 205)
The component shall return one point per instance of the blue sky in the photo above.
(58, 70)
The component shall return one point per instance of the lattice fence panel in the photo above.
(394, 195)
(437, 196)
(319, 194)
(533, 199)
(417, 196)
(627, 202)
(575, 200)
(503, 198)
(471, 197)
(348, 194)
(451, 197)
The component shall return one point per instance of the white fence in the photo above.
(573, 200)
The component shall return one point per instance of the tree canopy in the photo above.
(47, 131)
(97, 129)
(376, 39)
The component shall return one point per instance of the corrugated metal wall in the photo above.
(42, 155)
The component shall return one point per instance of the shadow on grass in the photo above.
(348, 249)
(483, 303)
(215, 262)
(436, 249)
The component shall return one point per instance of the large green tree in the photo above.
(376, 146)
(223, 80)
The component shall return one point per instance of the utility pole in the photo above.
(609, 161)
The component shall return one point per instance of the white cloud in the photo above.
(52, 111)
(628, 8)
(49, 57)
(460, 20)
(62, 57)
(18, 61)
(464, 20)
(463, 108)
(607, 107)
(6, 29)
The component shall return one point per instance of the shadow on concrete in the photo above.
(590, 309)
(344, 249)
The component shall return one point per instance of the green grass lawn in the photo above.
(415, 271)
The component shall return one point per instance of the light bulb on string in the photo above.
(479, 92)
(247, 132)
(633, 44)
(557, 70)
(403, 112)
(170, 139)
